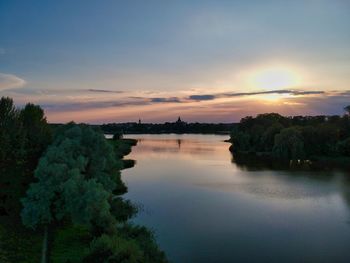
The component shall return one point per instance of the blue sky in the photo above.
(100, 61)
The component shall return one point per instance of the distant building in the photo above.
(179, 121)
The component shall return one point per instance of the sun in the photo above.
(275, 78)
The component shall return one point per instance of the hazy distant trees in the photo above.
(168, 127)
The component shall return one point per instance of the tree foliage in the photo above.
(289, 144)
(77, 183)
(36, 132)
(298, 137)
(75, 179)
(133, 244)
(24, 133)
(11, 139)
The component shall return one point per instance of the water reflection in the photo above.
(206, 208)
(188, 148)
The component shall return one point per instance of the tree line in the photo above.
(167, 127)
(24, 133)
(293, 138)
(76, 185)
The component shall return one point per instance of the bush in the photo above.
(344, 147)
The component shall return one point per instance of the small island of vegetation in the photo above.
(312, 141)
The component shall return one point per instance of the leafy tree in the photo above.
(145, 240)
(133, 244)
(317, 136)
(325, 139)
(76, 178)
(268, 136)
(11, 137)
(289, 144)
(24, 134)
(114, 249)
(37, 133)
(240, 141)
(255, 136)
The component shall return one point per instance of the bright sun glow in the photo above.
(275, 78)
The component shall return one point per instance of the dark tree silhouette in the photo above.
(347, 109)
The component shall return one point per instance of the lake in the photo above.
(205, 208)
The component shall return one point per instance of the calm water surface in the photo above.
(204, 208)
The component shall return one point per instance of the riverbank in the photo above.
(315, 142)
(266, 159)
(71, 242)
(22, 245)
(68, 242)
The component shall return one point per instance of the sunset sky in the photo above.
(206, 61)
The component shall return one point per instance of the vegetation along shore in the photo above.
(62, 193)
(302, 141)
(61, 196)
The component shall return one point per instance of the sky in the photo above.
(207, 61)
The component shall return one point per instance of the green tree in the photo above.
(240, 141)
(289, 144)
(37, 133)
(268, 136)
(77, 181)
(11, 137)
(114, 249)
(76, 178)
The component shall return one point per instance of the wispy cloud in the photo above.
(98, 105)
(81, 102)
(165, 100)
(105, 91)
(264, 92)
(202, 97)
(9, 81)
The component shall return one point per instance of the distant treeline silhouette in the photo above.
(167, 127)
